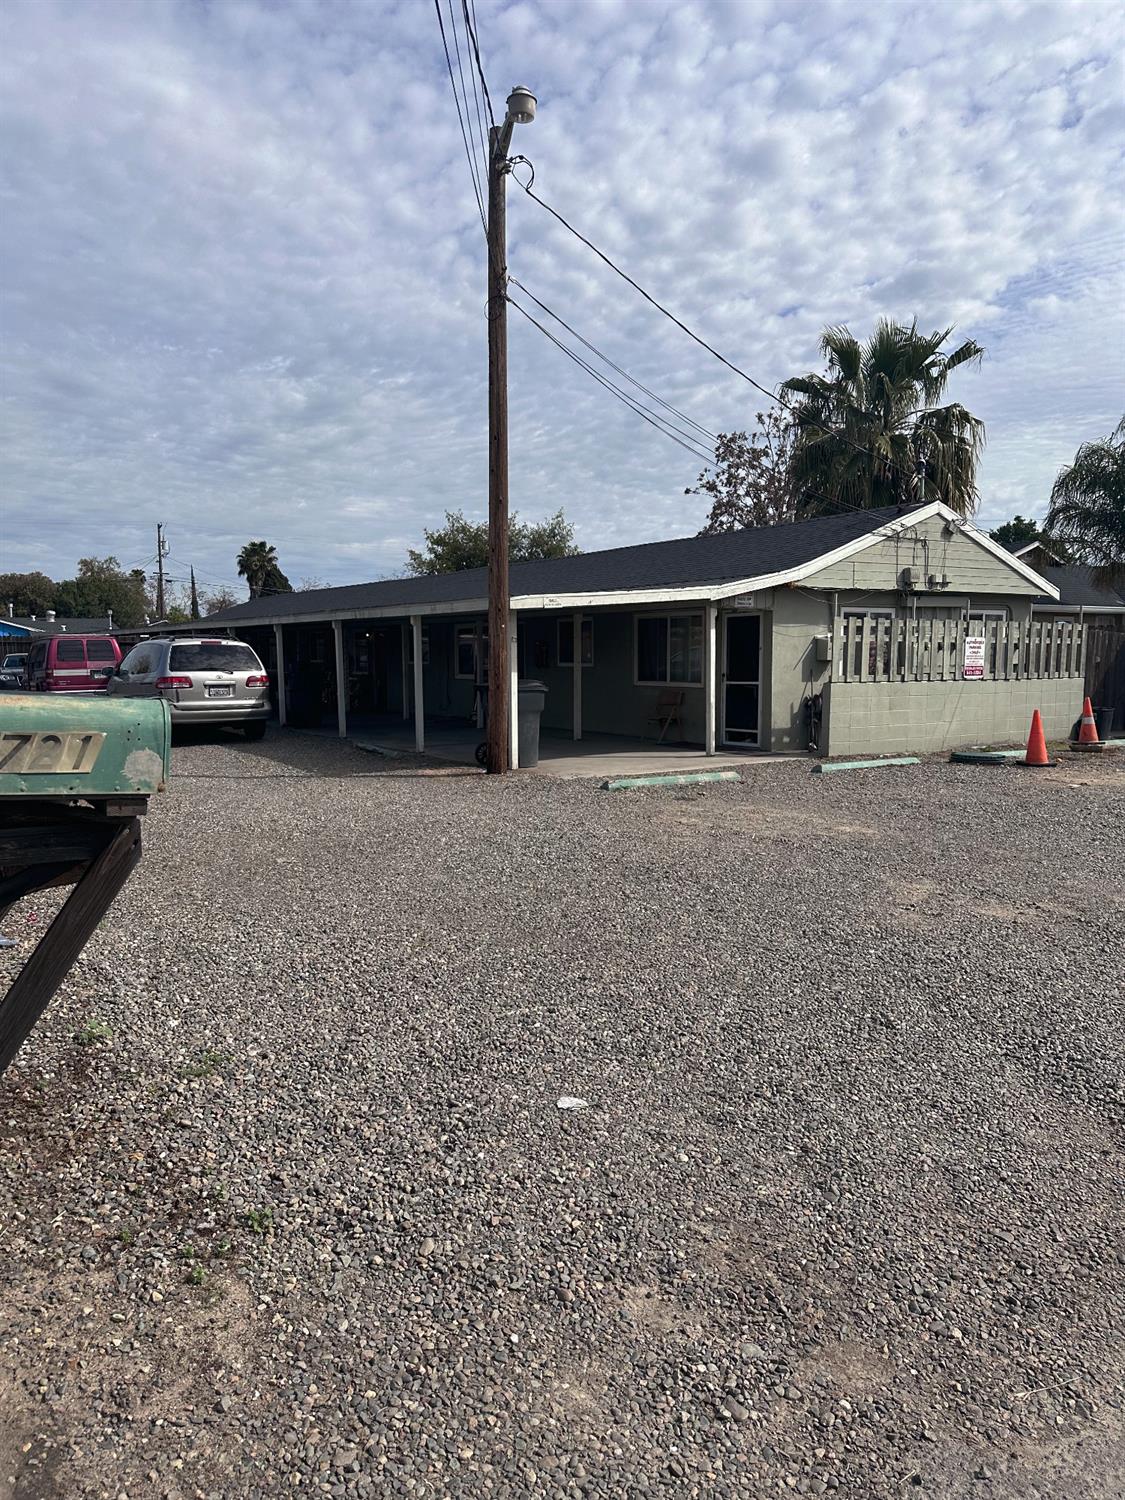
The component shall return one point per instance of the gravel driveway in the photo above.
(289, 1204)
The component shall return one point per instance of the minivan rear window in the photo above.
(71, 652)
(100, 651)
(217, 656)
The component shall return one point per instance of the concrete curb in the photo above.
(984, 757)
(825, 767)
(688, 778)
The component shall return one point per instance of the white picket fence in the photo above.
(873, 648)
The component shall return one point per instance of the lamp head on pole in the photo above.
(521, 105)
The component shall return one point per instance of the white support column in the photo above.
(514, 707)
(710, 672)
(405, 670)
(576, 712)
(279, 643)
(341, 681)
(419, 701)
(480, 672)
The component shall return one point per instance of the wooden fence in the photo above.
(875, 648)
(1105, 668)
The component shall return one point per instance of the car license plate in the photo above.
(220, 692)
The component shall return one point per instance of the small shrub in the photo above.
(197, 1275)
(92, 1033)
(260, 1220)
(205, 1063)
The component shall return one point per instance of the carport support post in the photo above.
(279, 642)
(710, 661)
(341, 681)
(576, 628)
(419, 705)
(513, 694)
(406, 669)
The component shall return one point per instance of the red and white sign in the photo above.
(973, 664)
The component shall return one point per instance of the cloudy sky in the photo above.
(243, 268)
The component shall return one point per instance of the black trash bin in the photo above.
(1103, 721)
(532, 697)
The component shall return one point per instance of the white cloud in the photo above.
(244, 272)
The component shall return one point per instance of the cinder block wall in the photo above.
(915, 717)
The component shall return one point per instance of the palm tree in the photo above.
(256, 563)
(870, 432)
(1088, 507)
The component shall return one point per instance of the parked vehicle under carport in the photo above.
(204, 682)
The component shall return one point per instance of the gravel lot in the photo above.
(844, 1214)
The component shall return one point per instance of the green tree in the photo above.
(1020, 531)
(1087, 511)
(27, 593)
(750, 483)
(863, 426)
(462, 543)
(101, 587)
(194, 606)
(257, 563)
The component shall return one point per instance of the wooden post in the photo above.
(500, 650)
(419, 702)
(279, 642)
(341, 680)
(405, 670)
(513, 695)
(60, 945)
(576, 678)
(710, 662)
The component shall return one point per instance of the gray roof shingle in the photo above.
(1076, 587)
(686, 562)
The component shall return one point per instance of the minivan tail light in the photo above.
(172, 682)
(258, 680)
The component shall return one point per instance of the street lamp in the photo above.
(521, 111)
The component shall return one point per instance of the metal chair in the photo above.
(668, 705)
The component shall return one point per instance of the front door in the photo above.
(742, 675)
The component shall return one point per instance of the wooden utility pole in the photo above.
(521, 110)
(159, 571)
(499, 597)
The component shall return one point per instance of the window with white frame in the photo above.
(669, 648)
(465, 652)
(566, 643)
(465, 663)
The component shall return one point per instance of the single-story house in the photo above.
(877, 630)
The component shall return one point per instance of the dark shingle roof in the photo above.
(1076, 586)
(687, 562)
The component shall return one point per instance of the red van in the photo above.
(71, 663)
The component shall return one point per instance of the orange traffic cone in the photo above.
(1036, 743)
(1087, 729)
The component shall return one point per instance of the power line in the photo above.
(471, 28)
(678, 435)
(465, 93)
(460, 120)
(702, 342)
(683, 416)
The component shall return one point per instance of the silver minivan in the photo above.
(203, 681)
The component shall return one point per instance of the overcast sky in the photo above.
(243, 268)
